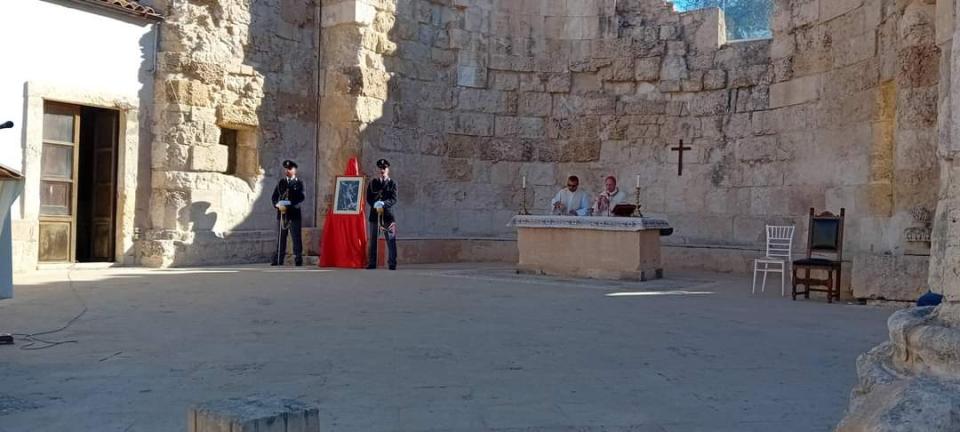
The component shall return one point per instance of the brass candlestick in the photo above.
(637, 211)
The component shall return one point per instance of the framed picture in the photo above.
(348, 198)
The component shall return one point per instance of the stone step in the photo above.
(254, 414)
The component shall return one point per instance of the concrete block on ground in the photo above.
(253, 414)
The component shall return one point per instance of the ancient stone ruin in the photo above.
(850, 104)
(839, 109)
(847, 105)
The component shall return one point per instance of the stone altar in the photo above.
(592, 247)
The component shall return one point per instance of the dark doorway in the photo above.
(96, 184)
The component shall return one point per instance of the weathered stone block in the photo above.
(621, 69)
(586, 82)
(796, 91)
(694, 83)
(895, 278)
(918, 66)
(532, 82)
(752, 99)
(572, 27)
(515, 63)
(640, 106)
(472, 76)
(209, 158)
(253, 413)
(587, 127)
(669, 32)
(459, 38)
(580, 150)
(635, 131)
(508, 149)
(237, 116)
(431, 120)
(488, 101)
(188, 92)
(917, 108)
(709, 103)
(749, 76)
(465, 146)
(830, 9)
(368, 109)
(505, 80)
(711, 32)
(534, 104)
(762, 149)
(567, 105)
(945, 14)
(855, 49)
(714, 79)
(521, 127)
(673, 68)
(647, 69)
(558, 83)
(620, 88)
(669, 86)
(476, 124)
(806, 12)
(540, 174)
(212, 73)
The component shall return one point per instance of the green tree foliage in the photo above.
(746, 19)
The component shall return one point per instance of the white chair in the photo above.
(778, 258)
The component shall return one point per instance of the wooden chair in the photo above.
(825, 236)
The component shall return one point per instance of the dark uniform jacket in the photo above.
(291, 190)
(378, 190)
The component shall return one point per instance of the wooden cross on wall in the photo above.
(680, 149)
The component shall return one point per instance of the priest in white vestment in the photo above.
(570, 201)
(609, 198)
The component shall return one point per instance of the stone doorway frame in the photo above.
(128, 141)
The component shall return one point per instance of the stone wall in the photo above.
(839, 109)
(466, 97)
(911, 381)
(250, 67)
(945, 264)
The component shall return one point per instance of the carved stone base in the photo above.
(912, 382)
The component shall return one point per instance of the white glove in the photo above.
(378, 205)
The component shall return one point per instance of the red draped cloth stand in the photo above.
(344, 241)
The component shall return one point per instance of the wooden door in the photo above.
(58, 182)
(104, 179)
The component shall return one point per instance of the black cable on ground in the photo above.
(34, 342)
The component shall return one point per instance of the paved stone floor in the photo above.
(452, 348)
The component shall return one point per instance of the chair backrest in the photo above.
(826, 233)
(780, 241)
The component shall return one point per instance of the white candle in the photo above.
(524, 182)
(638, 181)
